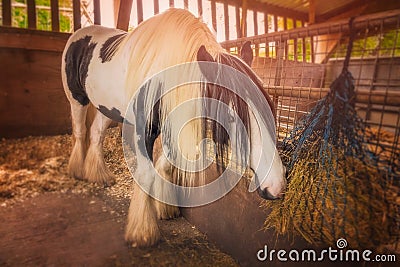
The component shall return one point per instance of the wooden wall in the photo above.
(32, 100)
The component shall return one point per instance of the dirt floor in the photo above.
(50, 219)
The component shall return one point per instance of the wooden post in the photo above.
(124, 12)
(244, 18)
(200, 7)
(214, 14)
(97, 13)
(6, 12)
(31, 14)
(226, 18)
(186, 4)
(266, 22)
(55, 16)
(77, 14)
(238, 25)
(171, 3)
(255, 22)
(139, 5)
(295, 44)
(156, 7)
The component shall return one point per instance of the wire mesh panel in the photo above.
(297, 67)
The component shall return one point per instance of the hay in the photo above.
(337, 186)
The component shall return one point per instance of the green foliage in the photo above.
(43, 16)
(385, 44)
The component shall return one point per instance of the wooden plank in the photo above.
(32, 40)
(6, 12)
(97, 12)
(55, 16)
(77, 14)
(200, 7)
(214, 14)
(139, 5)
(31, 4)
(226, 18)
(124, 12)
(156, 7)
(33, 103)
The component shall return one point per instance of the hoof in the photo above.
(165, 211)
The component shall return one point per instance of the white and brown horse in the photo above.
(107, 67)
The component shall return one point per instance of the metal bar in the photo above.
(31, 14)
(390, 98)
(77, 14)
(340, 26)
(6, 12)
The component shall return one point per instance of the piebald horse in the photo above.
(106, 67)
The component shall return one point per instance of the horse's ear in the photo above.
(203, 55)
(246, 53)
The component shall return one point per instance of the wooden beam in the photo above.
(271, 9)
(243, 25)
(214, 15)
(255, 22)
(31, 14)
(156, 7)
(55, 16)
(226, 18)
(32, 39)
(266, 22)
(77, 14)
(351, 7)
(96, 11)
(311, 11)
(200, 7)
(238, 23)
(6, 12)
(124, 12)
(139, 5)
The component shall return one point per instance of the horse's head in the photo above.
(269, 171)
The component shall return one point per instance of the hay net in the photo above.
(337, 187)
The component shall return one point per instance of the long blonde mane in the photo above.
(165, 40)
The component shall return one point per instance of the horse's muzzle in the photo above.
(265, 194)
